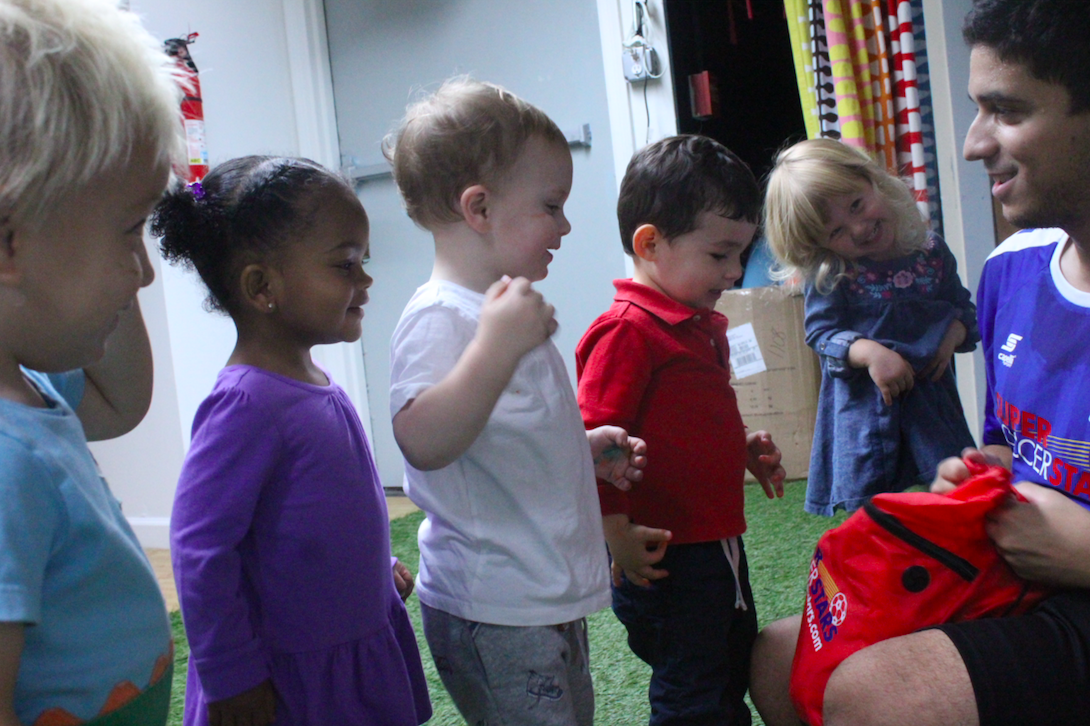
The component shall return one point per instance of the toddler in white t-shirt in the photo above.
(512, 556)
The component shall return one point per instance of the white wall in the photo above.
(546, 52)
(965, 188)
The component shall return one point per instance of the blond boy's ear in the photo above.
(646, 242)
(258, 288)
(9, 267)
(474, 204)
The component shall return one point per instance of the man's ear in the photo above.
(475, 204)
(647, 241)
(258, 287)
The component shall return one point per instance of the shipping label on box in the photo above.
(774, 373)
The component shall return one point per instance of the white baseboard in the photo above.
(152, 532)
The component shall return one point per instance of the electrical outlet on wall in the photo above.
(641, 62)
(634, 67)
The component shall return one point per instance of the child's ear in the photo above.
(475, 203)
(646, 241)
(10, 240)
(258, 288)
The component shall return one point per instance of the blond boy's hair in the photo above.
(468, 132)
(81, 83)
(805, 178)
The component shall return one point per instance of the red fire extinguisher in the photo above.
(192, 107)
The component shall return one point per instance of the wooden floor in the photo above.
(398, 506)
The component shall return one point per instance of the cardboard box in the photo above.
(775, 375)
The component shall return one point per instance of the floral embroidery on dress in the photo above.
(916, 274)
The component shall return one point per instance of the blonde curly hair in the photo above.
(81, 83)
(805, 178)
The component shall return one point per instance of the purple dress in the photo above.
(281, 551)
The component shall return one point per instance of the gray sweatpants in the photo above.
(513, 675)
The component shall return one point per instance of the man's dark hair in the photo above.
(671, 182)
(1050, 37)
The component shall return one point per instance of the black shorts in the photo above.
(1033, 669)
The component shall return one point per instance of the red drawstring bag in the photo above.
(903, 562)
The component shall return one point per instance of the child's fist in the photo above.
(618, 457)
(515, 316)
(403, 580)
(763, 460)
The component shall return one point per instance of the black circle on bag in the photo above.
(916, 578)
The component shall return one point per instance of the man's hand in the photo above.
(953, 471)
(403, 581)
(255, 707)
(763, 461)
(618, 457)
(1045, 539)
(635, 549)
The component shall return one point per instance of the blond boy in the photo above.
(88, 125)
(512, 558)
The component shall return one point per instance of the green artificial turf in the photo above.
(779, 543)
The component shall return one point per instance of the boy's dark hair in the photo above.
(670, 182)
(1050, 37)
(244, 210)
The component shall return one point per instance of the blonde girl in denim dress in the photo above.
(885, 312)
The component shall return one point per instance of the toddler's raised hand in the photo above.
(889, 371)
(955, 336)
(515, 317)
(763, 460)
(618, 457)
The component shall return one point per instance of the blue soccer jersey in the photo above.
(1035, 333)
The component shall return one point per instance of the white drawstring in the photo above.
(734, 556)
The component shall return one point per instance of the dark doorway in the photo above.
(749, 67)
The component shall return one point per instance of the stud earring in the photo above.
(272, 306)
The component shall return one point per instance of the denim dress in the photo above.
(861, 446)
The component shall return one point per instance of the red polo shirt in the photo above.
(661, 370)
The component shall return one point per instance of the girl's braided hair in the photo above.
(243, 211)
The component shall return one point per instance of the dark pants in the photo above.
(688, 630)
(1033, 669)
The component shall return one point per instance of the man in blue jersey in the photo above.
(1030, 79)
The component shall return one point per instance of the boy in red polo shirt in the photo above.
(657, 364)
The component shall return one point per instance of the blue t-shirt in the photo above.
(70, 566)
(1034, 327)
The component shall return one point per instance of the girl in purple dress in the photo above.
(279, 534)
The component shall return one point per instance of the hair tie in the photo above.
(196, 189)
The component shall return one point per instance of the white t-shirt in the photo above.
(513, 534)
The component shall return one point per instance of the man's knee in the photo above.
(914, 680)
(852, 696)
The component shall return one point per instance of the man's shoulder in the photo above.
(1024, 255)
(1028, 245)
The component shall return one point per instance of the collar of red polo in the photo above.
(658, 304)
